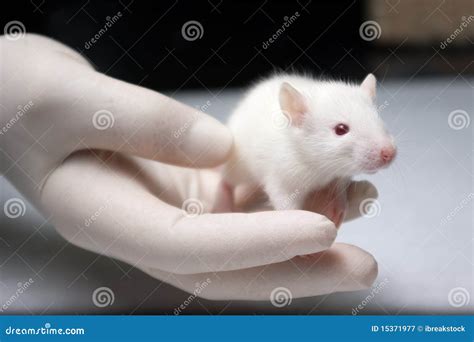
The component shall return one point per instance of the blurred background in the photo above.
(206, 53)
(230, 44)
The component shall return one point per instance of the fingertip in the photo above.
(363, 189)
(366, 272)
(357, 193)
(370, 190)
(312, 232)
(327, 232)
(209, 140)
(361, 265)
(371, 272)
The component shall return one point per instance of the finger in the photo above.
(251, 198)
(128, 118)
(220, 242)
(46, 43)
(111, 213)
(357, 192)
(341, 268)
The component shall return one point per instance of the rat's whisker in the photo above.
(328, 132)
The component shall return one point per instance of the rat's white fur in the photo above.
(304, 155)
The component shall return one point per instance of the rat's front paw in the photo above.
(336, 210)
(224, 200)
(330, 201)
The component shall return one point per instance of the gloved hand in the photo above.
(120, 169)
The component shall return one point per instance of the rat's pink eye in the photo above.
(341, 129)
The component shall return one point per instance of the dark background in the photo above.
(145, 45)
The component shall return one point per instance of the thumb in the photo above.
(131, 119)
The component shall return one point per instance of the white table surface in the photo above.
(421, 255)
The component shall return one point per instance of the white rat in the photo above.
(294, 135)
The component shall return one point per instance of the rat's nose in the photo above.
(387, 154)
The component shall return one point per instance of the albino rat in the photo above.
(295, 135)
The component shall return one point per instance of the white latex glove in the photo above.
(115, 192)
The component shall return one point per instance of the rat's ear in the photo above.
(369, 84)
(292, 103)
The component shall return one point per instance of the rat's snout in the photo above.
(387, 154)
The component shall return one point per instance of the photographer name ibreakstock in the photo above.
(445, 328)
(420, 328)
